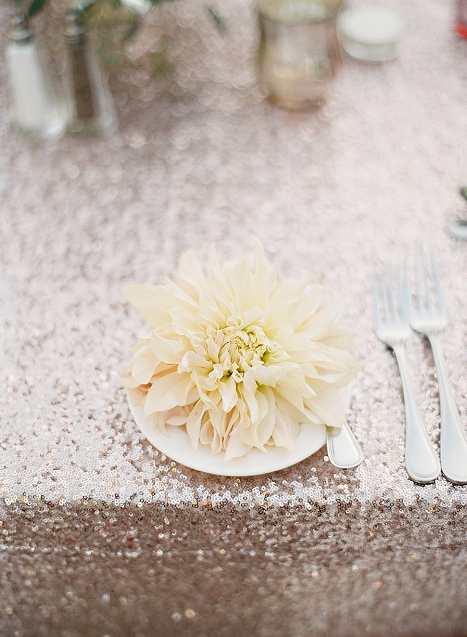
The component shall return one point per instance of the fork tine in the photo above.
(391, 275)
(385, 284)
(402, 293)
(426, 279)
(436, 281)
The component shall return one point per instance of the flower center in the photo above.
(233, 350)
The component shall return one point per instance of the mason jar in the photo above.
(299, 52)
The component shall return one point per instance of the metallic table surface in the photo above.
(100, 534)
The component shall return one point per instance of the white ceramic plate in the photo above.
(177, 446)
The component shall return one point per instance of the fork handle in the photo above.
(343, 450)
(421, 460)
(453, 437)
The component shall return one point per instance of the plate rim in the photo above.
(254, 463)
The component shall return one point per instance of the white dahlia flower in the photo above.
(237, 357)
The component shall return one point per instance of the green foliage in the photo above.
(35, 7)
(218, 21)
(114, 25)
(158, 62)
(463, 192)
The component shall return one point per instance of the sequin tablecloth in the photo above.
(100, 534)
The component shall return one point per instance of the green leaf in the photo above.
(218, 20)
(131, 31)
(463, 192)
(35, 7)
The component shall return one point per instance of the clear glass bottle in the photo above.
(299, 52)
(36, 111)
(90, 106)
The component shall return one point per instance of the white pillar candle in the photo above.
(370, 33)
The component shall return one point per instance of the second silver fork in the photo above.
(392, 327)
(427, 315)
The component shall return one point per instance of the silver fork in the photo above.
(391, 326)
(428, 316)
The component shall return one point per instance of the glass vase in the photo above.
(299, 52)
(90, 105)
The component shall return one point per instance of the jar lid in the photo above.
(298, 11)
(140, 7)
(20, 31)
(370, 33)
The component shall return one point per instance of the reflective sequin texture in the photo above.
(100, 534)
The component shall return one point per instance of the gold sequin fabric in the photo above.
(100, 534)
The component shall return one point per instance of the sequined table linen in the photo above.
(99, 533)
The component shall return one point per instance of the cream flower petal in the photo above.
(181, 297)
(171, 390)
(266, 276)
(253, 434)
(190, 270)
(329, 405)
(184, 322)
(228, 391)
(177, 416)
(269, 375)
(236, 448)
(243, 284)
(219, 422)
(299, 413)
(307, 307)
(286, 430)
(217, 289)
(210, 314)
(167, 350)
(128, 381)
(210, 436)
(144, 367)
(268, 415)
(248, 391)
(237, 357)
(142, 342)
(192, 361)
(152, 301)
(194, 421)
(254, 315)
